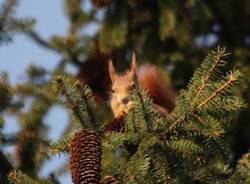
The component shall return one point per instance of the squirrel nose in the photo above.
(125, 101)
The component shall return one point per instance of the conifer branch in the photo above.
(79, 99)
(6, 10)
(214, 91)
(133, 121)
(87, 98)
(231, 78)
(71, 104)
(161, 169)
(217, 59)
(36, 38)
(198, 118)
(17, 177)
(61, 145)
(184, 146)
(145, 114)
(173, 125)
(241, 174)
(214, 141)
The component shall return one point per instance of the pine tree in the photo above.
(188, 146)
(194, 144)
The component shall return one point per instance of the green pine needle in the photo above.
(60, 146)
(17, 177)
(79, 99)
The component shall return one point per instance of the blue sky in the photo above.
(17, 55)
(22, 51)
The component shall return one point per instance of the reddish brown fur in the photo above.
(148, 78)
(152, 80)
(94, 73)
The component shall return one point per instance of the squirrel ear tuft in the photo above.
(133, 64)
(111, 71)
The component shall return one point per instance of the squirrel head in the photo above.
(123, 84)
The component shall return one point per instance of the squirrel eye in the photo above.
(113, 91)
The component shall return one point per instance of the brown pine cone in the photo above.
(85, 157)
(109, 180)
(116, 125)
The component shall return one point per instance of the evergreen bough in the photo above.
(188, 146)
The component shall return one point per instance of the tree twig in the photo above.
(38, 39)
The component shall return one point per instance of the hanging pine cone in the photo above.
(109, 180)
(100, 3)
(116, 125)
(85, 157)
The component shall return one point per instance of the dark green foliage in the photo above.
(194, 144)
(190, 144)
(187, 146)
(241, 174)
(79, 100)
(61, 145)
(17, 177)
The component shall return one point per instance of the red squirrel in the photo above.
(147, 77)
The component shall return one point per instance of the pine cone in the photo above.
(117, 125)
(85, 157)
(109, 180)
